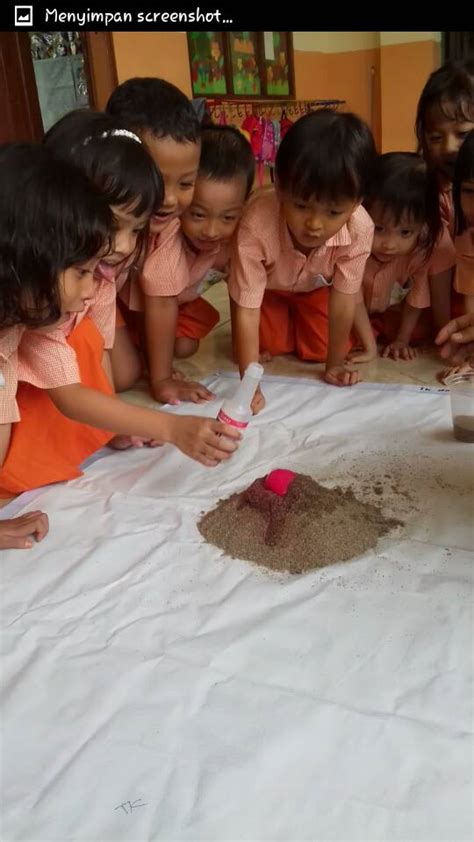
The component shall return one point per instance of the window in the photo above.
(241, 64)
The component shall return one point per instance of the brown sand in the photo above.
(318, 526)
(464, 427)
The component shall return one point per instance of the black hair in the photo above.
(452, 85)
(326, 155)
(226, 154)
(403, 184)
(118, 164)
(464, 171)
(156, 106)
(51, 217)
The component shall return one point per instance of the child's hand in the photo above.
(174, 391)
(362, 355)
(258, 402)
(457, 369)
(457, 340)
(17, 533)
(121, 442)
(204, 439)
(399, 350)
(341, 375)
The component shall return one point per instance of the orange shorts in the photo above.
(196, 319)
(296, 323)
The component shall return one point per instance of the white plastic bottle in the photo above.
(236, 411)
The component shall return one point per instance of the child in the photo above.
(174, 271)
(411, 251)
(300, 253)
(166, 122)
(36, 303)
(463, 198)
(463, 195)
(52, 220)
(117, 162)
(67, 405)
(444, 118)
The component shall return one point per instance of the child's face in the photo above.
(126, 231)
(443, 137)
(178, 164)
(392, 239)
(214, 212)
(128, 228)
(77, 286)
(467, 202)
(311, 223)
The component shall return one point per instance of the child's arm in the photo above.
(107, 366)
(341, 318)
(203, 439)
(440, 293)
(161, 316)
(364, 331)
(436, 277)
(17, 533)
(246, 323)
(48, 362)
(344, 295)
(468, 304)
(400, 348)
(5, 433)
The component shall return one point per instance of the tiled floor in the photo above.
(214, 355)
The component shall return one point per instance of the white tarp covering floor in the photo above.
(153, 689)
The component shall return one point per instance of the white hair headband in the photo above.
(115, 133)
(121, 133)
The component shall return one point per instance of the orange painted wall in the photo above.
(356, 75)
(310, 74)
(163, 54)
(346, 76)
(404, 71)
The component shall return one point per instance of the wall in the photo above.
(339, 65)
(379, 74)
(163, 54)
(406, 60)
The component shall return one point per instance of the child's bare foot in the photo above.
(265, 357)
(177, 375)
(126, 442)
(362, 355)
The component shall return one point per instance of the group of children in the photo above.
(110, 227)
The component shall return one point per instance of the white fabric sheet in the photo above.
(153, 689)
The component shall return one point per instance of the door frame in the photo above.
(18, 93)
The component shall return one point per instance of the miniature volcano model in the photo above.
(287, 521)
